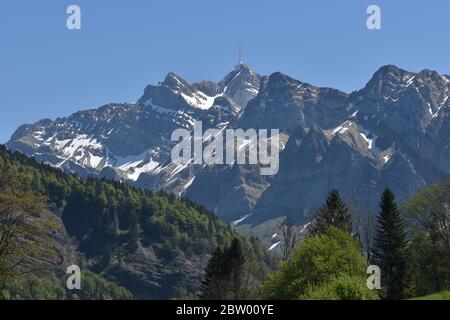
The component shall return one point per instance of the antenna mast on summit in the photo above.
(241, 61)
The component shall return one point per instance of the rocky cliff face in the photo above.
(394, 132)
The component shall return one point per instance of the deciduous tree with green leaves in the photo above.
(320, 265)
(428, 215)
(23, 236)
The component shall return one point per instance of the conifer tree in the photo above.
(214, 286)
(225, 274)
(236, 265)
(333, 213)
(389, 251)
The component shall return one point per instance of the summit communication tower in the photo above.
(241, 61)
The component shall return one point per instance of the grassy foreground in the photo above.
(445, 295)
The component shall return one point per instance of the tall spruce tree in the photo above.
(389, 251)
(236, 262)
(333, 213)
(214, 285)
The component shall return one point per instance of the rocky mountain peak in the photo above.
(432, 74)
(174, 81)
(240, 85)
(387, 80)
(328, 139)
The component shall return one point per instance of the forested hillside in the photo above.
(131, 243)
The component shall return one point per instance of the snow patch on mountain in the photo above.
(157, 108)
(146, 168)
(343, 128)
(370, 139)
(198, 100)
(237, 222)
(273, 246)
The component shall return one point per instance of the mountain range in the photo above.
(394, 132)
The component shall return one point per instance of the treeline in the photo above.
(102, 209)
(409, 245)
(109, 219)
(327, 263)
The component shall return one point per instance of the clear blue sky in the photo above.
(47, 71)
